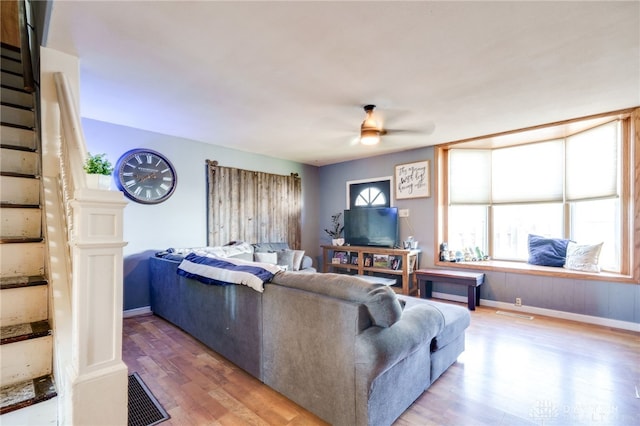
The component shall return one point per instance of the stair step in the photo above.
(9, 63)
(24, 331)
(19, 97)
(22, 281)
(16, 148)
(26, 359)
(26, 393)
(19, 190)
(19, 161)
(20, 223)
(41, 413)
(20, 175)
(19, 206)
(11, 52)
(12, 80)
(24, 305)
(17, 116)
(25, 258)
(15, 136)
(17, 240)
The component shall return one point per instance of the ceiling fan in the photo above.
(372, 128)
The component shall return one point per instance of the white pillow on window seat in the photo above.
(583, 257)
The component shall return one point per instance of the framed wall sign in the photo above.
(412, 180)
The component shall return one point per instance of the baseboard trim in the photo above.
(145, 310)
(605, 322)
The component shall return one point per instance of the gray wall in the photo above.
(181, 220)
(586, 297)
(333, 196)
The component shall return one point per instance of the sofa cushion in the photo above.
(266, 257)
(298, 255)
(456, 320)
(380, 300)
(243, 256)
(269, 247)
(285, 258)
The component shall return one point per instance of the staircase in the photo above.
(26, 350)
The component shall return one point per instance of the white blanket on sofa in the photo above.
(224, 271)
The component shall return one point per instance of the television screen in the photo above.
(374, 226)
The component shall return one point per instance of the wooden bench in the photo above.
(472, 280)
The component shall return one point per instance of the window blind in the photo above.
(528, 173)
(469, 176)
(592, 163)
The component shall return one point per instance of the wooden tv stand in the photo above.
(408, 264)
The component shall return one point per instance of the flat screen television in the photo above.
(372, 226)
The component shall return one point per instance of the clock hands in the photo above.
(145, 176)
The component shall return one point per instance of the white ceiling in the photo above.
(288, 79)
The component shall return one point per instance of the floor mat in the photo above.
(144, 408)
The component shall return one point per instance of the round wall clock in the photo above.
(145, 176)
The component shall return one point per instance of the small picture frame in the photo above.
(412, 180)
(368, 260)
(381, 260)
(342, 255)
(396, 263)
(353, 259)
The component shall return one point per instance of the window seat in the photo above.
(525, 268)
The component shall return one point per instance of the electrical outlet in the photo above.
(403, 212)
(518, 301)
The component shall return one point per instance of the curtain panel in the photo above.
(250, 206)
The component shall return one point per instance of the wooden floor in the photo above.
(514, 371)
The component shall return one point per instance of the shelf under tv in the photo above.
(408, 262)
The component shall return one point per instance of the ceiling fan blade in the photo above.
(426, 130)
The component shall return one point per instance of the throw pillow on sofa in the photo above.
(285, 258)
(264, 257)
(298, 255)
(547, 251)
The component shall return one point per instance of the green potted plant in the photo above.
(99, 170)
(336, 230)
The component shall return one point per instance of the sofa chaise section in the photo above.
(345, 349)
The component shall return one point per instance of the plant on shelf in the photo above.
(98, 170)
(98, 165)
(336, 231)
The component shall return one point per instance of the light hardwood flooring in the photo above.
(514, 371)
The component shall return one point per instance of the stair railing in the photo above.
(25, 45)
(72, 150)
(85, 262)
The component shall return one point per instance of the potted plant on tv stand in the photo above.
(99, 170)
(336, 231)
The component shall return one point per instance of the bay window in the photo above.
(571, 180)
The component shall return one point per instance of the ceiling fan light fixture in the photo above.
(369, 136)
(370, 129)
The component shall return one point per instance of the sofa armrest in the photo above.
(378, 349)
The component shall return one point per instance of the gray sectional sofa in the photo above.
(352, 352)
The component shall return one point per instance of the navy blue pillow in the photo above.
(547, 251)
